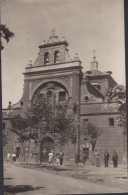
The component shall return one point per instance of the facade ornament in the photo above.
(53, 37)
(43, 42)
(50, 85)
(30, 63)
(63, 39)
(76, 57)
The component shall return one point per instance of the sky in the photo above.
(85, 24)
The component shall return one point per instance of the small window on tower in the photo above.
(62, 96)
(46, 58)
(111, 122)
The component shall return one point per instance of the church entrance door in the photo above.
(46, 147)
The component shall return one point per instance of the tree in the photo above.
(44, 118)
(23, 128)
(58, 121)
(92, 132)
(6, 34)
(118, 94)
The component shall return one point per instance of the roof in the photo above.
(92, 90)
(95, 72)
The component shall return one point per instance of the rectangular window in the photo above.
(111, 122)
(85, 122)
(62, 96)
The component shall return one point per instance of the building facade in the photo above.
(56, 75)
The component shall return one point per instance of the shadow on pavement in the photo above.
(19, 188)
(8, 178)
(122, 177)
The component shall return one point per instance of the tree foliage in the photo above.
(118, 94)
(51, 118)
(44, 118)
(6, 34)
(23, 128)
(92, 132)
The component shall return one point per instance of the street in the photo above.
(23, 181)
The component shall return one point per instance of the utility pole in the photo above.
(39, 151)
(76, 110)
(53, 151)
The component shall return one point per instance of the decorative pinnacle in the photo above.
(30, 63)
(53, 34)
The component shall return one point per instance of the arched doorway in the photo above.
(46, 147)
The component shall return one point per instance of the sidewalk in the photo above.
(108, 176)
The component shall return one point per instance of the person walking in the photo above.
(8, 157)
(97, 158)
(61, 157)
(106, 159)
(13, 157)
(84, 158)
(115, 159)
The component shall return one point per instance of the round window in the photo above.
(86, 98)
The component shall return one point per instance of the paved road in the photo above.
(23, 181)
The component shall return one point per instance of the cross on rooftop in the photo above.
(94, 51)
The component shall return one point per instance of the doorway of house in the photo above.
(46, 147)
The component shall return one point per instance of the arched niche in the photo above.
(53, 91)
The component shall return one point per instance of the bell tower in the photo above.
(55, 69)
(53, 51)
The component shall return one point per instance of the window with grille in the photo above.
(85, 122)
(111, 122)
(62, 96)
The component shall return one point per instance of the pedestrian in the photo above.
(97, 158)
(13, 157)
(77, 158)
(84, 158)
(8, 157)
(57, 160)
(115, 159)
(61, 157)
(50, 157)
(106, 158)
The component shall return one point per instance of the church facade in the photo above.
(56, 75)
